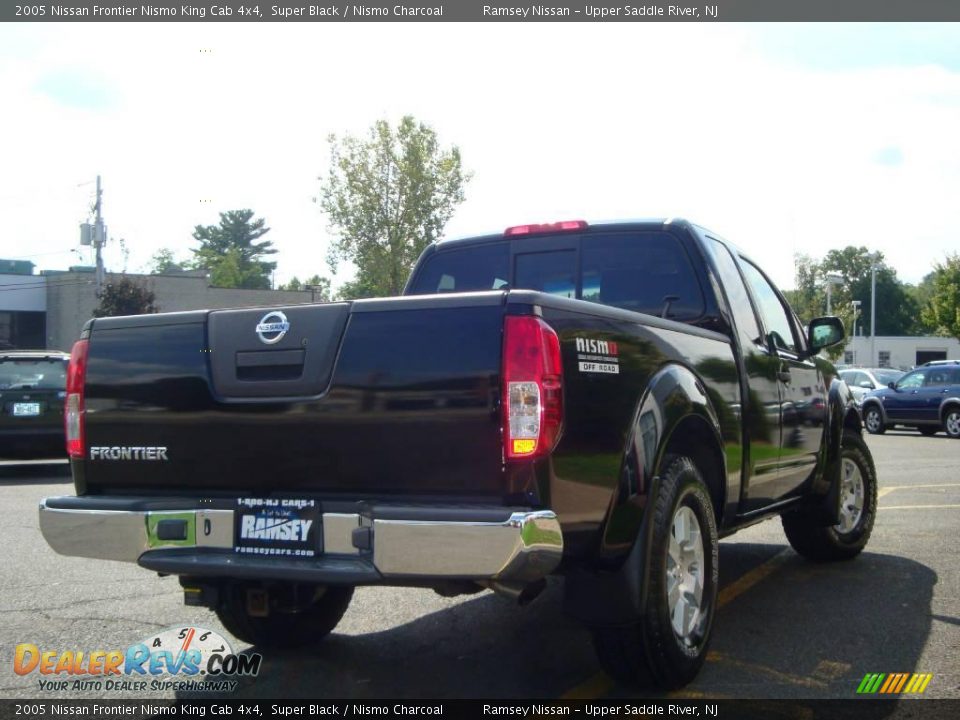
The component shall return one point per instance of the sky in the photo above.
(782, 138)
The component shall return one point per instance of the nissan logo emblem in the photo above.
(272, 327)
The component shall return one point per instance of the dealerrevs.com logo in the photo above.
(177, 659)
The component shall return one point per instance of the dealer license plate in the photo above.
(278, 526)
(26, 409)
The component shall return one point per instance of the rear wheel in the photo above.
(928, 430)
(282, 615)
(668, 645)
(951, 421)
(858, 507)
(873, 420)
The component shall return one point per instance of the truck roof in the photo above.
(601, 226)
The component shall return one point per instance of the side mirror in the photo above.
(892, 385)
(824, 332)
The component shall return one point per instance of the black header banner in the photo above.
(605, 709)
(480, 11)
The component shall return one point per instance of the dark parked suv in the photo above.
(32, 390)
(927, 398)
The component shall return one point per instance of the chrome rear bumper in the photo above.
(384, 544)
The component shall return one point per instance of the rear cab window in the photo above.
(646, 272)
(464, 269)
(643, 271)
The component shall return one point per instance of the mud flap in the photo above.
(613, 598)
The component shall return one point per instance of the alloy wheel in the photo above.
(952, 423)
(685, 574)
(851, 496)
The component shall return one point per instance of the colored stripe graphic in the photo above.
(894, 683)
(891, 680)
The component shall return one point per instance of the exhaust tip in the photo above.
(524, 594)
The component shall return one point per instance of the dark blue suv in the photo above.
(927, 398)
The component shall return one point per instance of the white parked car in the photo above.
(863, 380)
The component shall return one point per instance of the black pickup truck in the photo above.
(601, 402)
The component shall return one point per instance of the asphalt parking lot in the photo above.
(786, 628)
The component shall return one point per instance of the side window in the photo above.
(912, 381)
(938, 377)
(774, 315)
(736, 291)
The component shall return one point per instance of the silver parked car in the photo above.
(863, 380)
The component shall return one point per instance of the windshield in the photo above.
(33, 373)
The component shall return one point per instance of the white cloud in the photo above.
(592, 121)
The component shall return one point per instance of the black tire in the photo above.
(827, 544)
(873, 420)
(951, 421)
(285, 625)
(651, 652)
(928, 430)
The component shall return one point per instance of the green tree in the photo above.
(164, 261)
(388, 196)
(921, 294)
(897, 311)
(942, 311)
(125, 297)
(318, 286)
(808, 300)
(230, 251)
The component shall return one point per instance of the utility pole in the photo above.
(873, 311)
(831, 280)
(856, 313)
(99, 238)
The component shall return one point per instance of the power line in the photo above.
(27, 257)
(11, 287)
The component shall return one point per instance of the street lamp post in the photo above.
(856, 313)
(832, 280)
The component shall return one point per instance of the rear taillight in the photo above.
(73, 414)
(532, 387)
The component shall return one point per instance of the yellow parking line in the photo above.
(917, 507)
(830, 670)
(594, 687)
(747, 581)
(696, 695)
(885, 491)
(807, 682)
(600, 684)
(929, 485)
